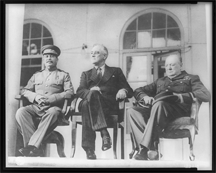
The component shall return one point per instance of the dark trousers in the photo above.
(94, 118)
(146, 124)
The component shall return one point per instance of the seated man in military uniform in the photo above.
(46, 90)
(163, 101)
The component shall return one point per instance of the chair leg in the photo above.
(191, 156)
(58, 139)
(60, 145)
(122, 142)
(115, 134)
(73, 148)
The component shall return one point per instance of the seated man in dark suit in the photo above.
(100, 89)
(163, 101)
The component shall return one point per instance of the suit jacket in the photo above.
(112, 81)
(53, 85)
(184, 84)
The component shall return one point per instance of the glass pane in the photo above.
(129, 41)
(35, 47)
(159, 38)
(25, 46)
(171, 22)
(173, 37)
(46, 33)
(36, 61)
(25, 61)
(26, 29)
(132, 25)
(36, 30)
(144, 39)
(26, 73)
(136, 67)
(159, 20)
(47, 41)
(144, 22)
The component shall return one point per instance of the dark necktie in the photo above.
(99, 73)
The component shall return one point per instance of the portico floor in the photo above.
(43, 162)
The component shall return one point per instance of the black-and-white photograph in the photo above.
(108, 85)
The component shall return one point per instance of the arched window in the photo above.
(35, 35)
(152, 30)
(146, 39)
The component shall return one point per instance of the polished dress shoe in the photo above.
(106, 143)
(36, 152)
(26, 150)
(142, 154)
(90, 154)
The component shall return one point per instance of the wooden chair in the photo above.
(76, 118)
(184, 127)
(52, 136)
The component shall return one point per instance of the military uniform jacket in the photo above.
(54, 85)
(112, 81)
(184, 84)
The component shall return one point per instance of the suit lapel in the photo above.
(107, 74)
(93, 75)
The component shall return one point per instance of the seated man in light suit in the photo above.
(100, 89)
(46, 90)
(171, 97)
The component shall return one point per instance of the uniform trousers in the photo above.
(146, 124)
(34, 135)
(95, 116)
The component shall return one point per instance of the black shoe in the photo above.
(36, 152)
(26, 150)
(106, 143)
(142, 154)
(90, 154)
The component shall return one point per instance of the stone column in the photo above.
(14, 32)
(209, 37)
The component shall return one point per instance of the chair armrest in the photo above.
(64, 109)
(73, 104)
(122, 104)
(65, 106)
(20, 98)
(194, 108)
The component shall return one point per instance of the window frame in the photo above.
(31, 57)
(151, 49)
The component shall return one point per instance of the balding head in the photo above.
(173, 65)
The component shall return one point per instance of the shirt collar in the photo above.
(102, 67)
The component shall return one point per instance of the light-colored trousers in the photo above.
(34, 135)
(146, 124)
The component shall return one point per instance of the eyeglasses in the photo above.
(96, 53)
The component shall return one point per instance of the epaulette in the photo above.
(62, 71)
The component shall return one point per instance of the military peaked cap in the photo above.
(50, 49)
